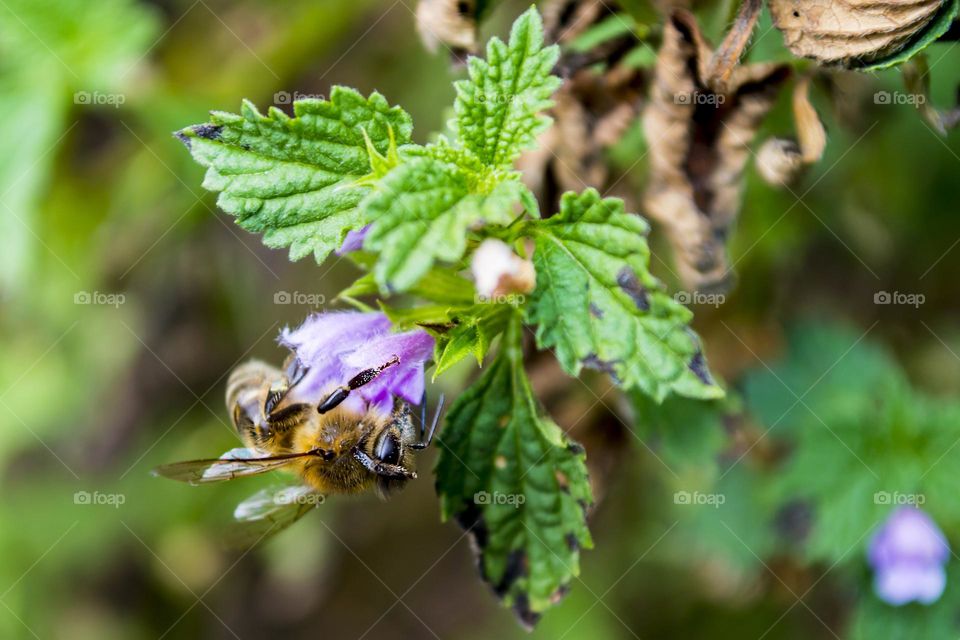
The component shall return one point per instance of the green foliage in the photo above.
(874, 619)
(598, 305)
(510, 477)
(422, 210)
(684, 433)
(865, 443)
(471, 335)
(498, 108)
(295, 179)
(53, 53)
(937, 27)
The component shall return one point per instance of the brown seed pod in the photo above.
(852, 33)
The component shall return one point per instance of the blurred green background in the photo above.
(125, 299)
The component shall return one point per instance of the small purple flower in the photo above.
(353, 241)
(908, 554)
(336, 346)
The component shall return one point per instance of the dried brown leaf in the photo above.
(449, 23)
(851, 32)
(698, 142)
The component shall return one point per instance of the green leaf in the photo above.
(598, 306)
(473, 331)
(864, 443)
(295, 179)
(685, 434)
(498, 108)
(511, 478)
(422, 211)
(937, 27)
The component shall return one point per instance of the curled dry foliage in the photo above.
(698, 143)
(450, 23)
(853, 33)
(780, 160)
(592, 109)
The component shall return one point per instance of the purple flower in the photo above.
(336, 346)
(908, 554)
(353, 241)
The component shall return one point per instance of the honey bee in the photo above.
(330, 448)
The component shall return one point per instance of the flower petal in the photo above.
(908, 582)
(353, 241)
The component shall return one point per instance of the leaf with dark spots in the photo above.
(698, 365)
(628, 281)
(295, 179)
(597, 305)
(511, 477)
(208, 131)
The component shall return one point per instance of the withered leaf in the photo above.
(698, 141)
(600, 98)
(855, 33)
(450, 23)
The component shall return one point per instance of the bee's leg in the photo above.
(364, 377)
(433, 428)
(382, 468)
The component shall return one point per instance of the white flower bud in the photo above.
(498, 271)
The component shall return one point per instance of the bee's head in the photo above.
(390, 451)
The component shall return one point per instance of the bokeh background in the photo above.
(126, 298)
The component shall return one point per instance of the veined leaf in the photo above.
(512, 479)
(421, 213)
(498, 108)
(597, 304)
(294, 179)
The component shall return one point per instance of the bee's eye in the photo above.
(388, 449)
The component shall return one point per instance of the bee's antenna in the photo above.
(364, 377)
(436, 419)
(423, 414)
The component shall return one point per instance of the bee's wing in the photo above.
(235, 463)
(270, 511)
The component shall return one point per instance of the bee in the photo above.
(330, 448)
